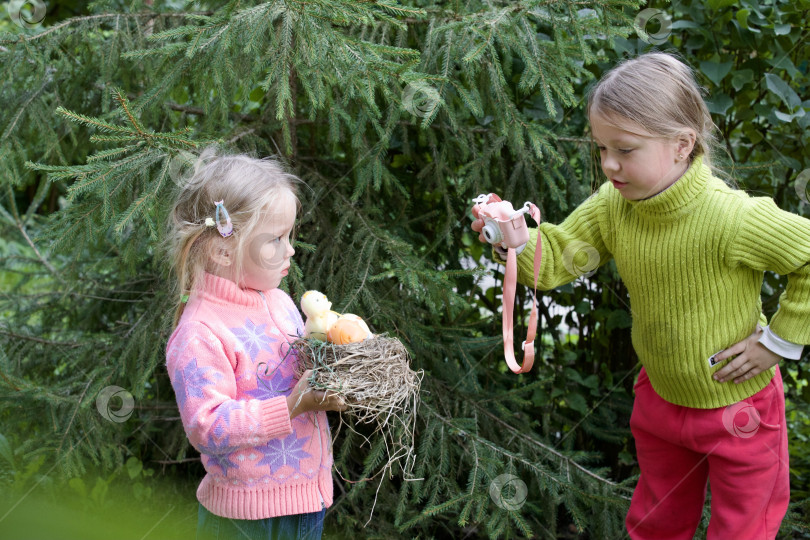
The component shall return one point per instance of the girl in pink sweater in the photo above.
(263, 437)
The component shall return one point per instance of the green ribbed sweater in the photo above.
(693, 259)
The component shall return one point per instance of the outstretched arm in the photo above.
(571, 249)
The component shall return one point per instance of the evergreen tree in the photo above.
(395, 114)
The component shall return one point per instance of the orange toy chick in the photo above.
(349, 328)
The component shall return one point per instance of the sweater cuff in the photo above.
(275, 418)
(782, 347)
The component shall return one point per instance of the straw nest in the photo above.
(377, 383)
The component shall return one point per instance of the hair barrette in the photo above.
(227, 229)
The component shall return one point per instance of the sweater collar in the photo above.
(222, 291)
(678, 198)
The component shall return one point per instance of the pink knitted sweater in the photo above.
(228, 363)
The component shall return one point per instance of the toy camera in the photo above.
(506, 227)
(503, 225)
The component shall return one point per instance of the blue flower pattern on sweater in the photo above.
(286, 451)
(218, 441)
(192, 380)
(253, 338)
(275, 386)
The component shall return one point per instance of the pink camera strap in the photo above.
(509, 287)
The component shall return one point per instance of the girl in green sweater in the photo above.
(709, 402)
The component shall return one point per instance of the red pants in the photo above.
(741, 449)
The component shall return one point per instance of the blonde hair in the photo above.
(250, 188)
(659, 93)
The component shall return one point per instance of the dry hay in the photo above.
(378, 385)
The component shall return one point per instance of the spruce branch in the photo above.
(73, 416)
(14, 215)
(8, 382)
(112, 152)
(91, 122)
(563, 483)
(122, 100)
(49, 342)
(531, 440)
(99, 18)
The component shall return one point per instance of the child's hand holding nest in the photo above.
(304, 398)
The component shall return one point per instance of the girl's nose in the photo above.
(610, 164)
(290, 250)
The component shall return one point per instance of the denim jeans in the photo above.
(294, 527)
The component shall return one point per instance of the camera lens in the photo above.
(491, 233)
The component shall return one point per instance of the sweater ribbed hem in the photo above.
(266, 501)
(702, 392)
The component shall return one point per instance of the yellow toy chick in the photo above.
(320, 317)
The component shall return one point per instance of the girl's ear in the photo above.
(220, 254)
(685, 143)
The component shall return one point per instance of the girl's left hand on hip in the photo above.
(752, 359)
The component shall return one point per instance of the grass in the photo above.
(167, 511)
